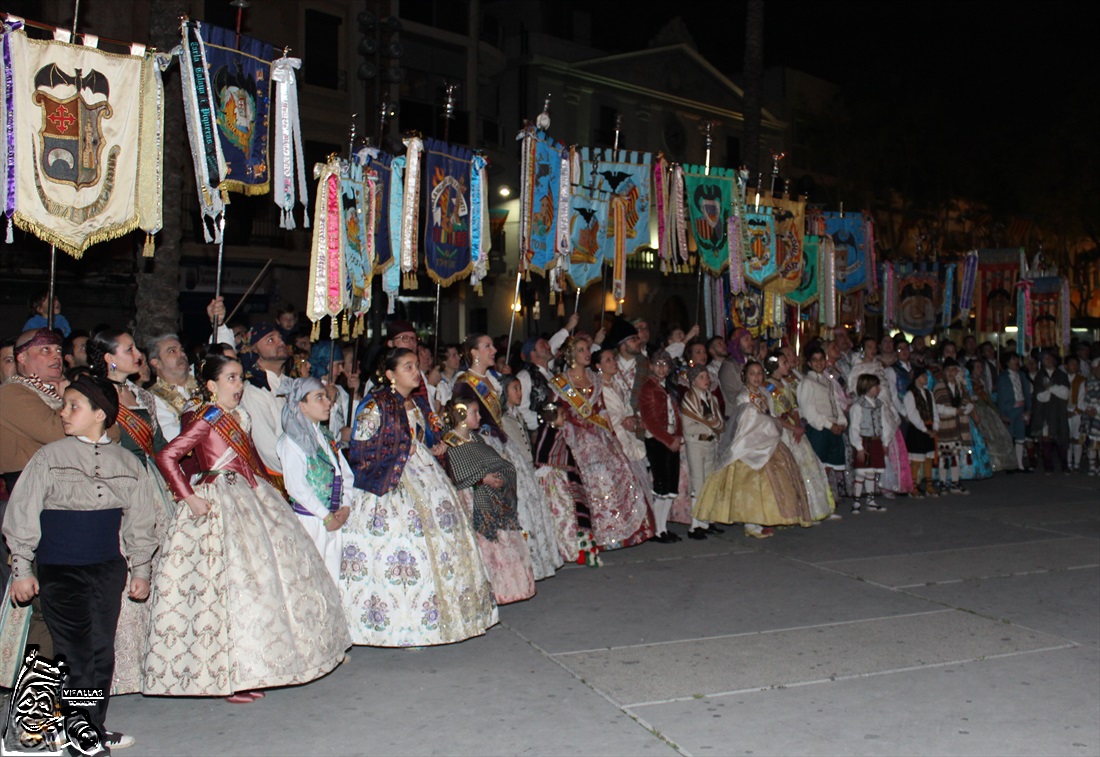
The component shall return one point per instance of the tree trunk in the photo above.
(754, 83)
(157, 299)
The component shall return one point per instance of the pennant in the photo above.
(391, 278)
(709, 199)
(289, 158)
(827, 276)
(1023, 316)
(480, 241)
(202, 131)
(850, 242)
(760, 248)
(969, 280)
(447, 225)
(808, 280)
(539, 198)
(916, 288)
(948, 296)
(327, 267)
(410, 210)
(241, 84)
(83, 141)
(789, 222)
(994, 289)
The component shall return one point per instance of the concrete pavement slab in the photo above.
(650, 602)
(486, 696)
(976, 562)
(1063, 603)
(689, 668)
(1042, 515)
(1041, 703)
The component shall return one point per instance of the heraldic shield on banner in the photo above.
(86, 147)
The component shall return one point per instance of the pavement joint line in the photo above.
(998, 575)
(850, 677)
(673, 558)
(756, 633)
(653, 730)
(941, 551)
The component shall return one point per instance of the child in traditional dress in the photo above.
(868, 437)
(490, 481)
(73, 500)
(953, 407)
(703, 426)
(317, 477)
(920, 440)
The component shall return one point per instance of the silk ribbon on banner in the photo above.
(588, 220)
(539, 198)
(447, 255)
(849, 236)
(808, 282)
(1046, 312)
(709, 199)
(995, 289)
(241, 78)
(790, 224)
(627, 181)
(916, 286)
(381, 165)
(327, 266)
(358, 212)
(83, 154)
(759, 255)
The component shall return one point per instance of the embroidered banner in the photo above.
(541, 172)
(381, 164)
(588, 221)
(748, 310)
(789, 222)
(759, 255)
(357, 206)
(850, 241)
(916, 287)
(849, 309)
(1046, 312)
(241, 81)
(447, 225)
(709, 199)
(808, 281)
(995, 289)
(85, 153)
(327, 268)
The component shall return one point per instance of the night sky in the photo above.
(996, 102)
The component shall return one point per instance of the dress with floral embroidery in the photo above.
(411, 574)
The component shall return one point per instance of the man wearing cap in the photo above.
(264, 361)
(633, 365)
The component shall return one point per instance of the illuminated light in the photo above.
(517, 306)
(504, 190)
(1011, 329)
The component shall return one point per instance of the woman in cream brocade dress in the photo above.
(243, 600)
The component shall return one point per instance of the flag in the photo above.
(241, 83)
(381, 164)
(539, 198)
(995, 289)
(709, 199)
(588, 221)
(789, 220)
(447, 225)
(916, 288)
(760, 255)
(808, 283)
(83, 153)
(849, 236)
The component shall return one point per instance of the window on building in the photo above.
(733, 152)
(448, 15)
(605, 127)
(322, 50)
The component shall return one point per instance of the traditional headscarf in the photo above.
(321, 357)
(248, 356)
(42, 337)
(295, 425)
(734, 347)
(101, 393)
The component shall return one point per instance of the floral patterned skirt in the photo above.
(411, 574)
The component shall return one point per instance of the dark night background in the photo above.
(993, 102)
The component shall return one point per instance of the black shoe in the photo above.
(672, 538)
(662, 538)
(713, 529)
(697, 533)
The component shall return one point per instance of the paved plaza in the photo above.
(950, 626)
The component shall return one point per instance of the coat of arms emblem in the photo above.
(71, 139)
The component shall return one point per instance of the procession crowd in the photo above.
(233, 517)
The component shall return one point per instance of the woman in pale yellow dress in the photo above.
(758, 482)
